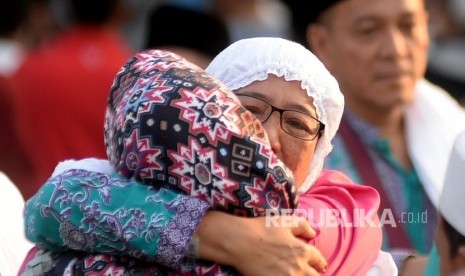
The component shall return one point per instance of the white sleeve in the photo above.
(13, 243)
(383, 266)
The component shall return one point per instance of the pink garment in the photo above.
(350, 242)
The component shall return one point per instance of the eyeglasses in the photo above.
(295, 123)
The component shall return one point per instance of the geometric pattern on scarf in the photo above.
(169, 124)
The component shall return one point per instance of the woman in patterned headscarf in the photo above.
(308, 119)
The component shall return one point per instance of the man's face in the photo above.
(376, 49)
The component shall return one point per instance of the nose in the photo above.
(274, 132)
(395, 43)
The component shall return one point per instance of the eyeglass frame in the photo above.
(321, 126)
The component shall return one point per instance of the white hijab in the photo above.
(451, 202)
(434, 119)
(253, 59)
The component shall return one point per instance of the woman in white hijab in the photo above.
(13, 243)
(449, 256)
(273, 74)
(300, 106)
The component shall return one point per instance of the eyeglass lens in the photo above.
(294, 123)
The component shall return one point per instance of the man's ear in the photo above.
(317, 38)
(461, 253)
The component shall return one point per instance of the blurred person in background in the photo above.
(397, 129)
(62, 89)
(13, 15)
(251, 18)
(198, 37)
(450, 236)
(41, 25)
(13, 160)
(243, 18)
(13, 243)
(134, 29)
(449, 258)
(446, 60)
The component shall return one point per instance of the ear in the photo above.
(317, 37)
(461, 253)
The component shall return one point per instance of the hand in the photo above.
(277, 250)
(255, 249)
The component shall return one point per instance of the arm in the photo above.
(96, 212)
(88, 205)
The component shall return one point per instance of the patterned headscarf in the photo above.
(169, 124)
(253, 59)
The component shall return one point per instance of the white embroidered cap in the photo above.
(451, 201)
(253, 59)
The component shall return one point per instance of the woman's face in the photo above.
(296, 153)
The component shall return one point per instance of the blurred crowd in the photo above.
(49, 47)
(446, 65)
(58, 58)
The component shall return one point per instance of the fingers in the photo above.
(316, 259)
(303, 259)
(280, 249)
(303, 229)
(311, 272)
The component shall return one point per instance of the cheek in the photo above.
(419, 49)
(347, 73)
(297, 157)
(420, 61)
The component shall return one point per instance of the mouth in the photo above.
(392, 76)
